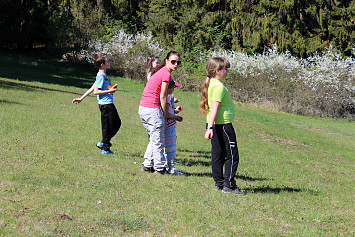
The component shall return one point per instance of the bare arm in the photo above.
(173, 116)
(163, 95)
(211, 119)
(88, 92)
(97, 91)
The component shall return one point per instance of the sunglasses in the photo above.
(175, 62)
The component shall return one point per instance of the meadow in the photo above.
(298, 171)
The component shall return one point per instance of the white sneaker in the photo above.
(174, 171)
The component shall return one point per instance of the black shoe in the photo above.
(163, 171)
(147, 169)
(216, 187)
(235, 190)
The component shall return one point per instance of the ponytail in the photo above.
(204, 97)
(214, 64)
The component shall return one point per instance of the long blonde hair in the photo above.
(214, 64)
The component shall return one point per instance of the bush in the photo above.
(320, 85)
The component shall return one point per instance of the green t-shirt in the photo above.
(226, 110)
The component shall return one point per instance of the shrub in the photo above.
(127, 53)
(320, 85)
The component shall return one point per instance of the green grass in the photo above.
(298, 171)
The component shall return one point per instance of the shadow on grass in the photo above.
(48, 71)
(273, 190)
(207, 174)
(190, 162)
(198, 158)
(9, 102)
(248, 178)
(202, 154)
(20, 86)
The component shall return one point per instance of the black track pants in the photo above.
(224, 153)
(110, 123)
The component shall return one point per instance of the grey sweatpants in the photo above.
(154, 122)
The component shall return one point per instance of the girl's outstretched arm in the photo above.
(78, 100)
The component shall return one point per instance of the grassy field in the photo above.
(298, 171)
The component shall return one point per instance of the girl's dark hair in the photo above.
(100, 58)
(164, 61)
(149, 67)
(214, 64)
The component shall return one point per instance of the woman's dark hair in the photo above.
(164, 61)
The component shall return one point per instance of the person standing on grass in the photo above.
(217, 103)
(110, 120)
(153, 110)
(170, 131)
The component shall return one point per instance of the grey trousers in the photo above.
(154, 122)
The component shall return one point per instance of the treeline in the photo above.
(299, 26)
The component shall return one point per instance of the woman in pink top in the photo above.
(153, 109)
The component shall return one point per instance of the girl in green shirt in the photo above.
(216, 102)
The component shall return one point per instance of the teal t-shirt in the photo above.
(102, 81)
(226, 110)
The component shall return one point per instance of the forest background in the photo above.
(271, 38)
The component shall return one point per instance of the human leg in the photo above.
(232, 155)
(170, 150)
(218, 155)
(153, 121)
(105, 127)
(170, 146)
(110, 122)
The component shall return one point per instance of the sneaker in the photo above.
(100, 145)
(147, 169)
(174, 171)
(163, 171)
(235, 190)
(216, 187)
(109, 152)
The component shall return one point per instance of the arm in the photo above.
(173, 116)
(97, 91)
(163, 95)
(211, 118)
(78, 100)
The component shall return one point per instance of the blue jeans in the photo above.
(154, 122)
